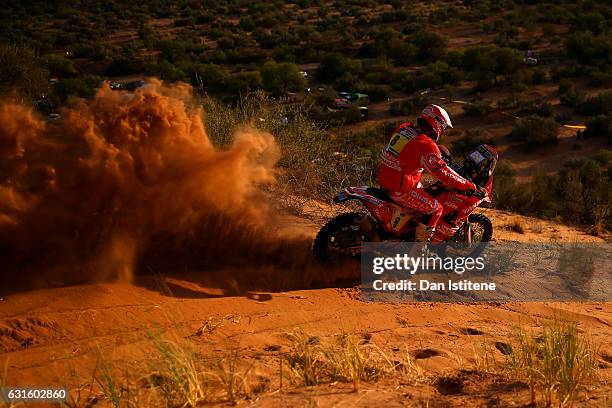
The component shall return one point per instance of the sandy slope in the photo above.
(45, 335)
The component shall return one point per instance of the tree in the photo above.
(243, 82)
(431, 46)
(124, 66)
(214, 76)
(280, 78)
(535, 131)
(489, 61)
(21, 71)
(334, 66)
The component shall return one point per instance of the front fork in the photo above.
(467, 230)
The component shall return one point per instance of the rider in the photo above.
(413, 148)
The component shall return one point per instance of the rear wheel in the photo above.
(340, 239)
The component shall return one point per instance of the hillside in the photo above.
(531, 79)
(452, 350)
(165, 166)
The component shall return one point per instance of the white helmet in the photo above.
(437, 117)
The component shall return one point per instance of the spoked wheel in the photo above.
(469, 241)
(339, 240)
(481, 228)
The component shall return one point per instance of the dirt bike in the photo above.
(344, 235)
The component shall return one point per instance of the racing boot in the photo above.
(422, 235)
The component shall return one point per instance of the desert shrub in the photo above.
(596, 105)
(537, 107)
(600, 126)
(95, 51)
(431, 46)
(61, 67)
(589, 49)
(594, 22)
(472, 139)
(244, 82)
(408, 106)
(437, 74)
(539, 76)
(213, 76)
(535, 131)
(558, 363)
(334, 66)
(536, 197)
(376, 93)
(124, 66)
(486, 63)
(478, 108)
(165, 70)
(584, 187)
(83, 88)
(21, 71)
(568, 95)
(280, 78)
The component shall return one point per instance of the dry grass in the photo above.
(312, 165)
(172, 375)
(484, 358)
(345, 359)
(557, 364)
(179, 376)
(516, 225)
(228, 371)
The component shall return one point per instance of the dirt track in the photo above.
(47, 334)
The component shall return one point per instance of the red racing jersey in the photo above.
(405, 157)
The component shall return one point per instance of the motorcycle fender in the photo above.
(341, 197)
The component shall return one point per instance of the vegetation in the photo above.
(557, 363)
(535, 131)
(50, 53)
(580, 192)
(180, 40)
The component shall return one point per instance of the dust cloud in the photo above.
(130, 182)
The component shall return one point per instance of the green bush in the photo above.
(166, 71)
(21, 71)
(124, 66)
(488, 62)
(244, 82)
(568, 94)
(600, 126)
(588, 49)
(584, 188)
(472, 139)
(82, 88)
(535, 131)
(61, 67)
(376, 93)
(280, 78)
(596, 105)
(333, 66)
(478, 108)
(408, 106)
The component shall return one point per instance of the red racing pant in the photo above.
(418, 200)
(445, 230)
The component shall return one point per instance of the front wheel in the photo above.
(340, 239)
(480, 233)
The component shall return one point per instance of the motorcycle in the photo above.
(383, 220)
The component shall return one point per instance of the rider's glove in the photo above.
(480, 192)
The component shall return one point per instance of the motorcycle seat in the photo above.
(379, 193)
